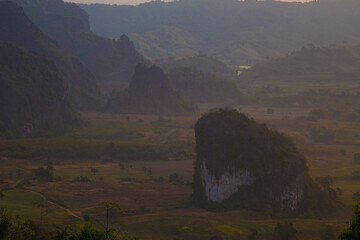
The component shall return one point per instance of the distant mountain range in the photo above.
(238, 32)
(334, 63)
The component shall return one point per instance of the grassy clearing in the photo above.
(30, 205)
(161, 140)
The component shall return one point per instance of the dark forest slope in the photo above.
(33, 97)
(16, 28)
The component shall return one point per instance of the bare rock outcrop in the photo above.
(151, 92)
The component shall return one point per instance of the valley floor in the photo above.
(155, 195)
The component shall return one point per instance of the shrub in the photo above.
(352, 232)
(82, 179)
(356, 174)
(46, 174)
(285, 231)
(175, 178)
(356, 157)
(270, 111)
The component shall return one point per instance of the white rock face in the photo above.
(291, 195)
(217, 190)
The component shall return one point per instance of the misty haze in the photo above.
(179, 120)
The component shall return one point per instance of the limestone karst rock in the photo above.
(151, 92)
(242, 164)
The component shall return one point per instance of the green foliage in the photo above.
(285, 231)
(45, 174)
(353, 230)
(109, 206)
(174, 178)
(82, 179)
(253, 234)
(94, 170)
(356, 196)
(89, 232)
(15, 227)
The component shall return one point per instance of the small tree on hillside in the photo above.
(253, 234)
(356, 197)
(285, 231)
(109, 206)
(352, 232)
(94, 170)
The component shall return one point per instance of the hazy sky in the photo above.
(134, 2)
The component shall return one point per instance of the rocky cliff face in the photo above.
(16, 28)
(242, 164)
(151, 92)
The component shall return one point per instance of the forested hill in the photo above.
(16, 28)
(68, 24)
(33, 97)
(240, 32)
(333, 63)
(201, 62)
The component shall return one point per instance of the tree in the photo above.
(15, 227)
(328, 234)
(352, 232)
(108, 207)
(285, 231)
(88, 232)
(356, 174)
(94, 170)
(253, 234)
(1, 194)
(356, 197)
(46, 174)
(356, 157)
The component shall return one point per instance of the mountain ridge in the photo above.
(68, 24)
(16, 28)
